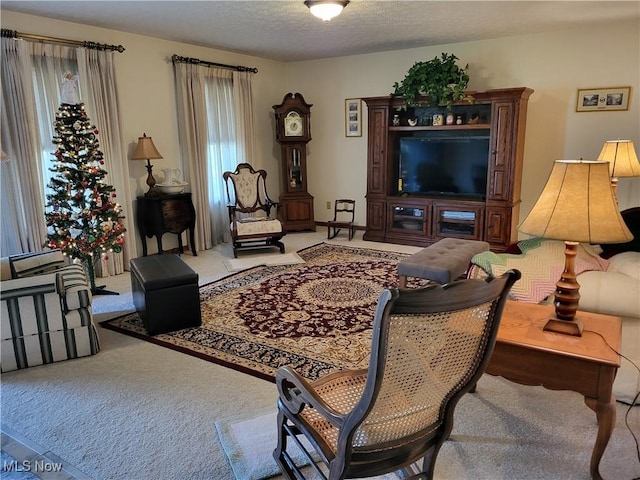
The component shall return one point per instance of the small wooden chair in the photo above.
(343, 217)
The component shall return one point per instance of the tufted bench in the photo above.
(441, 262)
(165, 293)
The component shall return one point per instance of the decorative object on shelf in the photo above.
(576, 205)
(326, 9)
(474, 119)
(171, 184)
(353, 117)
(146, 150)
(459, 120)
(441, 80)
(171, 188)
(412, 122)
(603, 99)
(450, 118)
(438, 120)
(623, 161)
(396, 120)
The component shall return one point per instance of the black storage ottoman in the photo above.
(165, 293)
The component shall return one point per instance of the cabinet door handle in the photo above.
(494, 152)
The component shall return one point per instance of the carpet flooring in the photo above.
(315, 316)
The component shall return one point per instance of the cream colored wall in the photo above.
(555, 65)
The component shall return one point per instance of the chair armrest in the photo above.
(296, 392)
(29, 264)
(5, 269)
(29, 286)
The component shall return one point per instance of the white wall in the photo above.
(555, 65)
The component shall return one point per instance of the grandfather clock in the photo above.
(293, 132)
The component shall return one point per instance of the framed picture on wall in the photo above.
(603, 99)
(353, 117)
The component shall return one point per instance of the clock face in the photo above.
(293, 125)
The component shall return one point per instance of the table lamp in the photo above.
(146, 150)
(576, 205)
(623, 161)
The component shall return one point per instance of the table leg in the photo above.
(180, 247)
(144, 244)
(192, 240)
(159, 241)
(606, 416)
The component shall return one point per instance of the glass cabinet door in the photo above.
(458, 222)
(410, 219)
(295, 170)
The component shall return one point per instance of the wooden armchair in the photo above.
(430, 346)
(250, 209)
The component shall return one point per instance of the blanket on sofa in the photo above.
(541, 264)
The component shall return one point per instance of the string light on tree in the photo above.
(83, 218)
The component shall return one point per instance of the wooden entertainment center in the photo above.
(405, 211)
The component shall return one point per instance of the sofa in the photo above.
(45, 311)
(609, 278)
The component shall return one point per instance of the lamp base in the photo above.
(567, 327)
(152, 192)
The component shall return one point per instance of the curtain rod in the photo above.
(6, 33)
(239, 68)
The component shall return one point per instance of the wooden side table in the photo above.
(527, 355)
(166, 213)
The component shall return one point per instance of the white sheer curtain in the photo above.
(243, 101)
(215, 122)
(223, 152)
(22, 195)
(49, 63)
(97, 79)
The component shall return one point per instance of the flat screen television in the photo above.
(448, 166)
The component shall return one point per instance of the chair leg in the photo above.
(279, 452)
(402, 283)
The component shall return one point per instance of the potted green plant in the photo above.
(441, 80)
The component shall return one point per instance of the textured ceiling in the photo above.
(285, 30)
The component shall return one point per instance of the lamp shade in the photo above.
(145, 149)
(326, 9)
(577, 204)
(622, 158)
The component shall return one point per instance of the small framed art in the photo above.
(353, 117)
(603, 99)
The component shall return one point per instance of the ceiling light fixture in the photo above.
(326, 9)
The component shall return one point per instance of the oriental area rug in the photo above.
(316, 316)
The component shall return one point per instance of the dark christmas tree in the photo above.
(83, 218)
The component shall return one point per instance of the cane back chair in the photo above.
(430, 346)
(250, 210)
(344, 211)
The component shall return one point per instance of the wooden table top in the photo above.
(522, 325)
